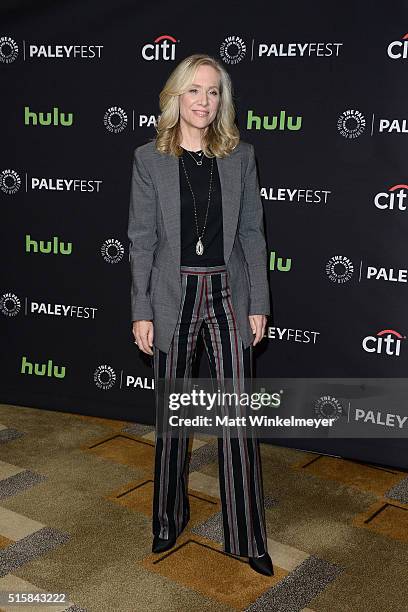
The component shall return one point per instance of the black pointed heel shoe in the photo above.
(262, 565)
(160, 544)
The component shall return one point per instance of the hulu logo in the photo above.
(42, 369)
(53, 246)
(276, 263)
(55, 117)
(275, 122)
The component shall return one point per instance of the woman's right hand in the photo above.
(143, 333)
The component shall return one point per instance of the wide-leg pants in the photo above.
(206, 306)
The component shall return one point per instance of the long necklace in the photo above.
(199, 244)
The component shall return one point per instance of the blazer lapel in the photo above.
(229, 169)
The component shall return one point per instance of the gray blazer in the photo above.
(154, 235)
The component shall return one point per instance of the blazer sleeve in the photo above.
(142, 234)
(252, 237)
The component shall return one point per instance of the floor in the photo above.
(75, 518)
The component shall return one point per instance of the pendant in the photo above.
(199, 247)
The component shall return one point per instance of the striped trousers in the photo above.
(206, 306)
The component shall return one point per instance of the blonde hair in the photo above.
(222, 135)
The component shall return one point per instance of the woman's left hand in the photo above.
(258, 324)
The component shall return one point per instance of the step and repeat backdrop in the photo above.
(320, 91)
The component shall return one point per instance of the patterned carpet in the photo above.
(75, 518)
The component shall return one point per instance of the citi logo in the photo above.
(276, 122)
(162, 48)
(41, 369)
(398, 49)
(277, 263)
(387, 341)
(54, 246)
(393, 199)
(54, 117)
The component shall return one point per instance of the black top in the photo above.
(199, 177)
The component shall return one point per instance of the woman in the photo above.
(198, 263)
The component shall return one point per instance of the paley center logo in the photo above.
(10, 181)
(10, 304)
(115, 119)
(112, 250)
(162, 48)
(233, 49)
(9, 51)
(386, 341)
(393, 199)
(398, 49)
(339, 269)
(105, 378)
(351, 123)
(328, 407)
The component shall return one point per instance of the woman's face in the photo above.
(199, 104)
